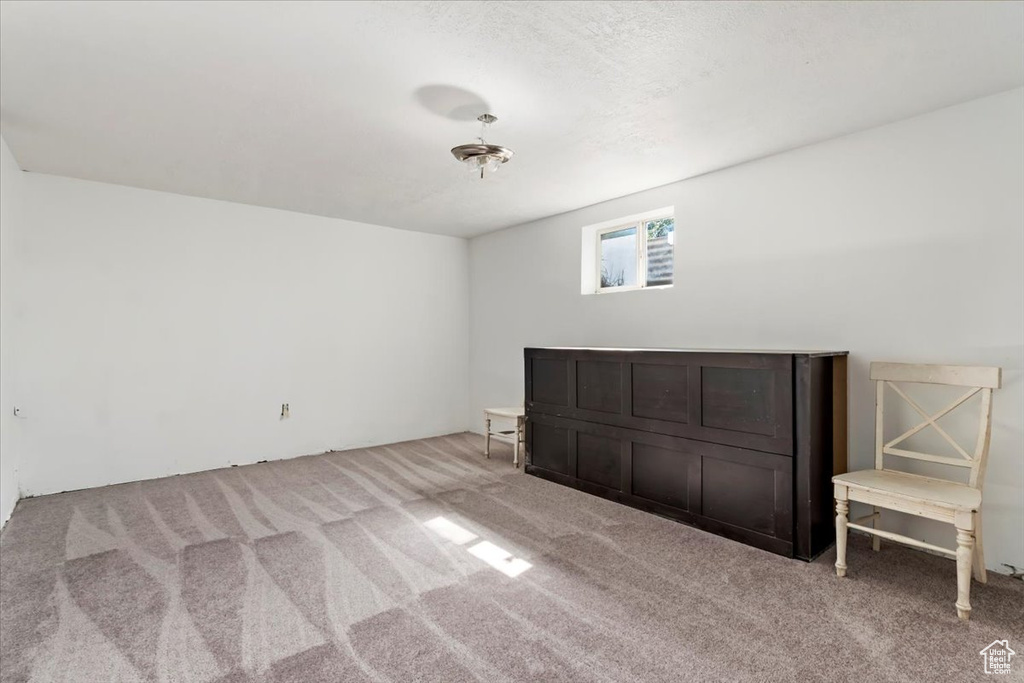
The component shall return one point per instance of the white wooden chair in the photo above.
(514, 436)
(946, 501)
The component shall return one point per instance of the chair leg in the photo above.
(964, 552)
(876, 542)
(842, 510)
(515, 447)
(487, 437)
(980, 574)
(521, 440)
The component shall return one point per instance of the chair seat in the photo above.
(914, 487)
(511, 413)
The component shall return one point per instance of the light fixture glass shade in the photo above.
(480, 157)
(473, 164)
(487, 163)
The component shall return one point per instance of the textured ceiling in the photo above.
(349, 109)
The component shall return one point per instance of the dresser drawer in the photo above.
(738, 399)
(739, 493)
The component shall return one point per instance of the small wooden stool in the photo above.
(513, 436)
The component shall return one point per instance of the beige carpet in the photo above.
(422, 561)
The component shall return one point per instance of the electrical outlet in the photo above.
(285, 411)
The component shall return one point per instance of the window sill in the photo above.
(616, 290)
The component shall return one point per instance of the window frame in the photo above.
(641, 253)
(604, 231)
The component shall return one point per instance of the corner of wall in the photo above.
(11, 216)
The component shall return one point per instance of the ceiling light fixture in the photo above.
(481, 156)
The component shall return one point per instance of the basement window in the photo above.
(635, 252)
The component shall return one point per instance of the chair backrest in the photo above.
(977, 379)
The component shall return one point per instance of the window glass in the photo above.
(660, 251)
(618, 258)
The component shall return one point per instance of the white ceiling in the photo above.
(349, 109)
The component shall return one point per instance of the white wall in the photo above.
(160, 334)
(903, 242)
(11, 200)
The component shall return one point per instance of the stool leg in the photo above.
(522, 447)
(515, 447)
(519, 442)
(487, 436)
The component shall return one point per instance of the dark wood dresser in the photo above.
(739, 443)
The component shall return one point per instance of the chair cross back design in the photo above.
(947, 501)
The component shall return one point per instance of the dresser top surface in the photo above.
(782, 352)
